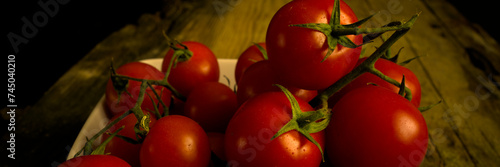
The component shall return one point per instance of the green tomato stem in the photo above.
(321, 100)
(100, 150)
(87, 149)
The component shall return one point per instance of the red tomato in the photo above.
(212, 105)
(260, 77)
(250, 56)
(119, 147)
(95, 161)
(391, 70)
(217, 144)
(372, 126)
(248, 135)
(201, 67)
(175, 141)
(117, 104)
(296, 53)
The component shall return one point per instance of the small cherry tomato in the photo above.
(201, 67)
(211, 104)
(250, 56)
(119, 103)
(175, 141)
(248, 135)
(390, 69)
(121, 148)
(260, 78)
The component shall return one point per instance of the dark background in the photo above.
(80, 24)
(67, 37)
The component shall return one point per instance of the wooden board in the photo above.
(459, 63)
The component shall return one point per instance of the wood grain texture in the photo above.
(459, 63)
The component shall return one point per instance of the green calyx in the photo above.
(314, 121)
(262, 50)
(336, 33)
(120, 85)
(367, 66)
(304, 122)
(180, 54)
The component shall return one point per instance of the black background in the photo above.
(67, 37)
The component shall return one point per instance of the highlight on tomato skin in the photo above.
(373, 126)
(248, 135)
(259, 78)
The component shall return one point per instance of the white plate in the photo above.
(98, 119)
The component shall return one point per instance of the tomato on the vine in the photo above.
(390, 69)
(297, 53)
(199, 67)
(248, 135)
(250, 56)
(121, 148)
(373, 126)
(95, 161)
(259, 78)
(119, 103)
(211, 104)
(175, 141)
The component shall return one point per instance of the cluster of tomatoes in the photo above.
(194, 120)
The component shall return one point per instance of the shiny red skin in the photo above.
(389, 69)
(250, 56)
(211, 104)
(373, 126)
(126, 102)
(175, 140)
(296, 53)
(95, 161)
(247, 140)
(119, 147)
(201, 67)
(260, 77)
